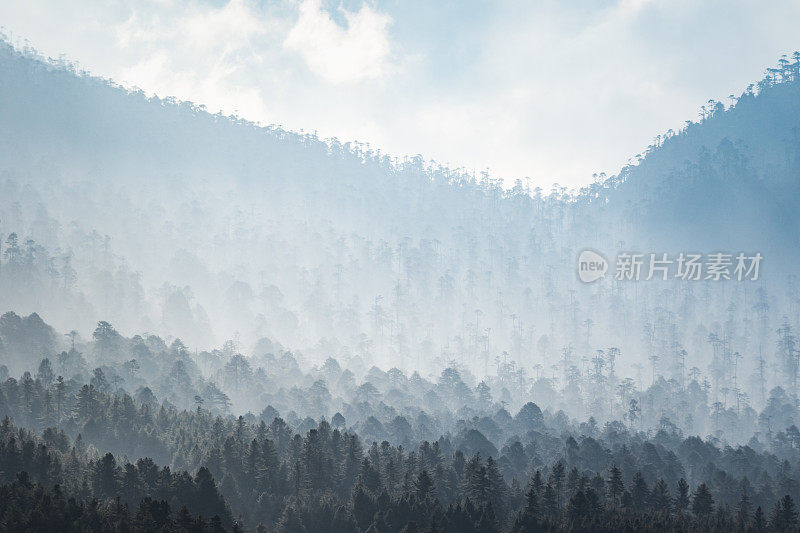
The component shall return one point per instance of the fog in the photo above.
(154, 249)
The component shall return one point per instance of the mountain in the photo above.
(730, 180)
(157, 216)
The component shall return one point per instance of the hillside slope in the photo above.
(158, 216)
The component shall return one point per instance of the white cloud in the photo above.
(342, 55)
(197, 52)
(551, 90)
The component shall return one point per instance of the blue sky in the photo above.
(550, 90)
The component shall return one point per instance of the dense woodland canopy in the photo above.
(212, 325)
(93, 455)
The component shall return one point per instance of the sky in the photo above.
(548, 90)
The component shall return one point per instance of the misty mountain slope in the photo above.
(95, 127)
(731, 179)
(207, 174)
(159, 217)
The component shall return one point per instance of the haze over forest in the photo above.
(200, 264)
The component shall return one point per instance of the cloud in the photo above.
(548, 89)
(198, 52)
(359, 51)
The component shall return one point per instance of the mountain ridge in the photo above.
(211, 228)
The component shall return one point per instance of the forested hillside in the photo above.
(139, 425)
(208, 324)
(727, 181)
(158, 217)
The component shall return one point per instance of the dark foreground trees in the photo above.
(326, 481)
